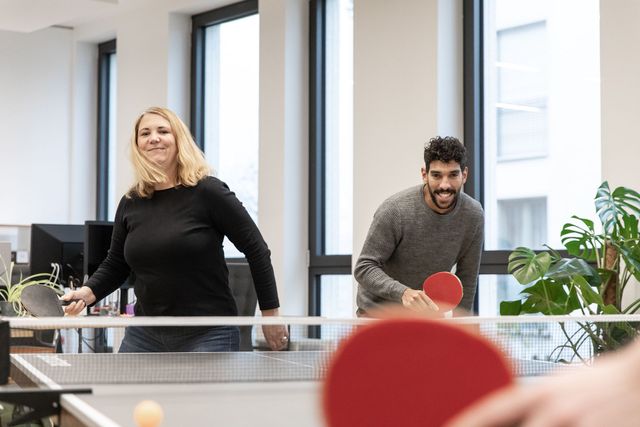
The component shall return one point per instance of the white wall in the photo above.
(396, 100)
(283, 181)
(620, 92)
(35, 118)
(450, 68)
(82, 159)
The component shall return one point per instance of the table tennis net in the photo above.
(75, 351)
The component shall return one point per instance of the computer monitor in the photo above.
(97, 240)
(61, 244)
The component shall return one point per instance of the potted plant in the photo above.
(10, 292)
(592, 279)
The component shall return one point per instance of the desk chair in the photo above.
(34, 341)
(242, 288)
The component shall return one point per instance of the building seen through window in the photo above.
(541, 94)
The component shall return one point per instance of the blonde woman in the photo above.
(168, 235)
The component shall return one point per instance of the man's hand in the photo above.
(85, 297)
(605, 394)
(276, 335)
(418, 301)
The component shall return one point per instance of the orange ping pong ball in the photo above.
(148, 414)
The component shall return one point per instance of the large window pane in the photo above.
(337, 295)
(521, 110)
(522, 222)
(542, 108)
(541, 124)
(338, 194)
(231, 109)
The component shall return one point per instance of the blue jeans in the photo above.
(146, 339)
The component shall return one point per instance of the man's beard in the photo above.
(451, 205)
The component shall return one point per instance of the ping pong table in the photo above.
(226, 389)
(272, 388)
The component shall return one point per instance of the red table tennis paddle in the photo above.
(409, 372)
(42, 301)
(445, 289)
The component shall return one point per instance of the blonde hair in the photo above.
(192, 166)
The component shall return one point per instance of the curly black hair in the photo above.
(445, 149)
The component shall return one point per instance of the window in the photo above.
(531, 105)
(337, 296)
(225, 94)
(522, 222)
(338, 123)
(106, 153)
(521, 106)
(331, 158)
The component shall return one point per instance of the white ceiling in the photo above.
(32, 15)
(26, 16)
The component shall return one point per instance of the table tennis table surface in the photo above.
(225, 389)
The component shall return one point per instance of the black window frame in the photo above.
(105, 50)
(199, 24)
(319, 262)
(492, 262)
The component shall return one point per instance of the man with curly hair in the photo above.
(422, 230)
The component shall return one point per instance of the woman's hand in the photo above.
(84, 297)
(276, 335)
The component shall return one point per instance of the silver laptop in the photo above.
(5, 253)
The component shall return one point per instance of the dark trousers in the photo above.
(145, 339)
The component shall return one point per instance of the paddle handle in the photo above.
(65, 303)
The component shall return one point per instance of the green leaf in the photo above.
(611, 207)
(631, 255)
(569, 267)
(510, 308)
(610, 309)
(589, 295)
(549, 297)
(629, 231)
(573, 302)
(580, 239)
(526, 266)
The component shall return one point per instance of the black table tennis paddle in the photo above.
(42, 301)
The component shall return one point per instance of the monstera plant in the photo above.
(601, 264)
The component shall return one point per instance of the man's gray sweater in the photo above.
(408, 241)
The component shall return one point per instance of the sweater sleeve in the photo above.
(233, 220)
(382, 239)
(114, 270)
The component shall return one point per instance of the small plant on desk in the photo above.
(10, 292)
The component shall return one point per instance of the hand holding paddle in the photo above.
(418, 301)
(445, 289)
(80, 299)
